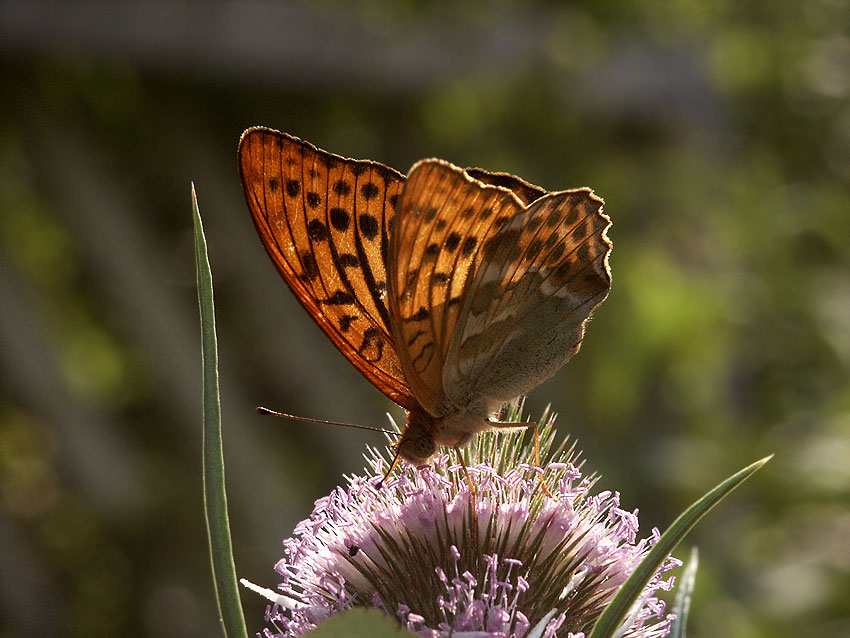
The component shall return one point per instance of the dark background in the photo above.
(718, 134)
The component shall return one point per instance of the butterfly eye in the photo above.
(424, 447)
(418, 449)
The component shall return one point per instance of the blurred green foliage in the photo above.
(718, 134)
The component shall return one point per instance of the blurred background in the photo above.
(718, 134)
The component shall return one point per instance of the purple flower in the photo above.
(520, 563)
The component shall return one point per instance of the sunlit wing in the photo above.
(539, 279)
(324, 221)
(522, 190)
(444, 219)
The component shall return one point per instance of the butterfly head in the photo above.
(417, 443)
(417, 450)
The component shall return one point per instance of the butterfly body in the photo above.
(424, 432)
(451, 290)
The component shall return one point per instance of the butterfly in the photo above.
(452, 290)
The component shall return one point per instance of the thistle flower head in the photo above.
(519, 564)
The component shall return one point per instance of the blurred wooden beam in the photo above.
(284, 43)
(384, 50)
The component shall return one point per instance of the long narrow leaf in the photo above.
(615, 613)
(215, 497)
(682, 604)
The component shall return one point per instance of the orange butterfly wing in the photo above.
(324, 221)
(444, 218)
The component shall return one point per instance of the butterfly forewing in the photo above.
(324, 220)
(445, 218)
(541, 277)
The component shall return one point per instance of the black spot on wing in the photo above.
(419, 315)
(369, 190)
(501, 221)
(452, 241)
(340, 219)
(311, 268)
(339, 298)
(369, 227)
(468, 246)
(341, 187)
(372, 339)
(347, 260)
(580, 232)
(313, 199)
(345, 322)
(557, 252)
(316, 230)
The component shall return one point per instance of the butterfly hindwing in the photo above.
(324, 220)
(539, 280)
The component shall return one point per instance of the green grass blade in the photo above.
(616, 611)
(682, 604)
(215, 497)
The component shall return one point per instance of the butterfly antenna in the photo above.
(267, 411)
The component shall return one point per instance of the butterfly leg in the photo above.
(524, 425)
(466, 474)
(537, 462)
